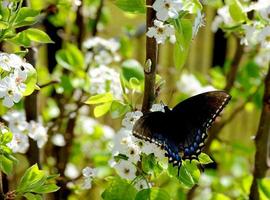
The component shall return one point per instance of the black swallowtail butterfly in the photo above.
(182, 130)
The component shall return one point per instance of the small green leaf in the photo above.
(236, 11)
(152, 194)
(47, 188)
(6, 165)
(30, 82)
(3, 25)
(100, 98)
(119, 189)
(37, 35)
(204, 159)
(264, 187)
(183, 40)
(134, 6)
(132, 68)
(5, 137)
(25, 17)
(102, 109)
(118, 109)
(32, 178)
(70, 58)
(31, 196)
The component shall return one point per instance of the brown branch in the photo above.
(98, 16)
(80, 25)
(260, 166)
(231, 76)
(151, 54)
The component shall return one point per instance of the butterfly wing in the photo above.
(196, 115)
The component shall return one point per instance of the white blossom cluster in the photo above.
(126, 144)
(88, 175)
(167, 10)
(101, 51)
(255, 33)
(14, 72)
(21, 130)
(104, 79)
(190, 85)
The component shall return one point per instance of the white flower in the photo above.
(166, 9)
(130, 119)
(10, 61)
(157, 107)
(263, 57)
(71, 171)
(125, 169)
(108, 132)
(133, 153)
(87, 183)
(149, 148)
(16, 121)
(89, 172)
(19, 143)
(38, 133)
(19, 76)
(104, 79)
(86, 124)
(190, 85)
(161, 32)
(265, 12)
(102, 51)
(222, 17)
(199, 22)
(250, 37)
(264, 37)
(9, 91)
(58, 140)
(142, 184)
(121, 140)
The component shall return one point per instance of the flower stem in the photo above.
(151, 54)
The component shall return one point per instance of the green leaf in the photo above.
(5, 137)
(30, 82)
(70, 58)
(119, 189)
(236, 11)
(134, 6)
(264, 186)
(118, 109)
(47, 188)
(183, 40)
(204, 159)
(6, 165)
(37, 35)
(25, 17)
(31, 196)
(100, 98)
(132, 68)
(152, 194)
(32, 178)
(3, 25)
(102, 109)
(189, 173)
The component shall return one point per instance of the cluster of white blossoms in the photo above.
(88, 175)
(14, 72)
(190, 85)
(255, 33)
(132, 148)
(167, 10)
(101, 51)
(21, 130)
(104, 79)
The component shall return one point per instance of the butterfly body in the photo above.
(182, 131)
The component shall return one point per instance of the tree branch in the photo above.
(151, 54)
(96, 21)
(260, 166)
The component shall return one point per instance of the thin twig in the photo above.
(98, 16)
